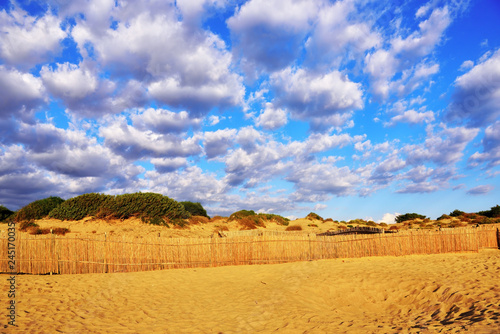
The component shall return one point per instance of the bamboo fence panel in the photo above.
(41, 254)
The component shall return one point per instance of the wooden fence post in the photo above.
(498, 238)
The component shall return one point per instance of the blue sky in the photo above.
(351, 109)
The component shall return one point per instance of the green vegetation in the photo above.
(195, 209)
(456, 213)
(38, 209)
(149, 207)
(248, 219)
(79, 207)
(5, 213)
(314, 216)
(409, 216)
(494, 212)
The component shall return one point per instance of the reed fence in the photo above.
(41, 254)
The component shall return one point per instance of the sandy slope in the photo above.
(414, 294)
(134, 227)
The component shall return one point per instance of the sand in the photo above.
(448, 293)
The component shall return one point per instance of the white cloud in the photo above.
(480, 190)
(271, 118)
(133, 143)
(404, 53)
(340, 32)
(443, 148)
(389, 218)
(26, 41)
(21, 92)
(69, 81)
(466, 65)
(324, 97)
(180, 67)
(168, 165)
(163, 121)
(476, 99)
(412, 117)
(268, 33)
(491, 148)
(217, 143)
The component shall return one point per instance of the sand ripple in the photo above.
(448, 293)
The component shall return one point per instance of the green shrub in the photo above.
(494, 212)
(275, 218)
(38, 209)
(195, 209)
(242, 214)
(313, 216)
(456, 213)
(409, 216)
(142, 205)
(151, 208)
(79, 207)
(444, 217)
(5, 213)
(25, 225)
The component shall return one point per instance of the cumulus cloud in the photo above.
(339, 34)
(491, 148)
(168, 165)
(164, 121)
(443, 147)
(412, 117)
(476, 100)
(217, 143)
(321, 97)
(315, 181)
(22, 93)
(271, 118)
(269, 33)
(26, 41)
(404, 52)
(182, 68)
(87, 95)
(132, 143)
(389, 218)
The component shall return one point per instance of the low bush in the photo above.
(151, 208)
(79, 207)
(294, 228)
(5, 213)
(275, 218)
(409, 216)
(314, 216)
(195, 209)
(443, 217)
(27, 224)
(247, 223)
(60, 230)
(456, 213)
(494, 212)
(38, 209)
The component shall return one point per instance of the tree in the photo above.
(409, 216)
(196, 209)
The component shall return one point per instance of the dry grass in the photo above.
(39, 254)
(294, 228)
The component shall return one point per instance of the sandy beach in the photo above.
(447, 293)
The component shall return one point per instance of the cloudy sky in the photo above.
(351, 109)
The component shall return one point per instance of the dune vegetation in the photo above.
(160, 210)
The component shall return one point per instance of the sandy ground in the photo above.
(134, 227)
(449, 293)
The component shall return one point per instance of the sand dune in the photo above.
(414, 294)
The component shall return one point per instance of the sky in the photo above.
(349, 109)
